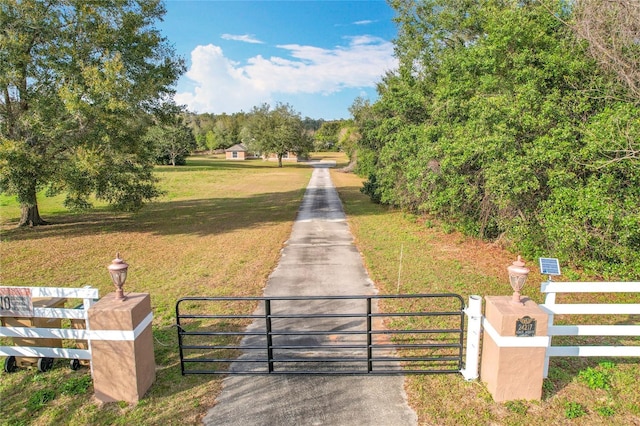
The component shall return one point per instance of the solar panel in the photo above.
(549, 266)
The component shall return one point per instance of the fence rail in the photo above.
(551, 289)
(88, 295)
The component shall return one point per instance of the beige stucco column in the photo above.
(122, 359)
(512, 367)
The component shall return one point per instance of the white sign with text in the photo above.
(15, 302)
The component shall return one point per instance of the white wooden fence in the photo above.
(88, 296)
(552, 308)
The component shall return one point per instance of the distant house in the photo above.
(237, 152)
(241, 152)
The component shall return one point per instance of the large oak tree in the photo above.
(277, 131)
(79, 84)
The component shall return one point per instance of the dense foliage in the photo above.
(80, 83)
(327, 137)
(173, 140)
(214, 132)
(500, 122)
(220, 131)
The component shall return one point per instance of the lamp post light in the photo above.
(517, 278)
(118, 272)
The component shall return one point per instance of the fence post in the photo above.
(474, 327)
(513, 348)
(122, 358)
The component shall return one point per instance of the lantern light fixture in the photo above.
(118, 271)
(517, 278)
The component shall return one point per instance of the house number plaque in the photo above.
(525, 327)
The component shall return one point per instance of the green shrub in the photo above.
(594, 379)
(370, 188)
(573, 410)
(597, 378)
(605, 411)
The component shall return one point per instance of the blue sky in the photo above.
(317, 56)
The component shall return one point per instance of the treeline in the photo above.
(501, 121)
(220, 131)
(265, 129)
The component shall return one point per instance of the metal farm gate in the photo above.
(388, 334)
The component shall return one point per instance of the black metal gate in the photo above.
(388, 334)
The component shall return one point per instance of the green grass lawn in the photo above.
(218, 231)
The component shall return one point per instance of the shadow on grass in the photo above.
(222, 165)
(202, 217)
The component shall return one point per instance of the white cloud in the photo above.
(222, 85)
(365, 22)
(247, 38)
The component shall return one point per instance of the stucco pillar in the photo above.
(512, 367)
(122, 360)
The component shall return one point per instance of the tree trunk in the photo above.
(31, 216)
(279, 160)
(29, 204)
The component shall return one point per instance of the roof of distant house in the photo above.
(237, 147)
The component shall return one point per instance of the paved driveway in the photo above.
(319, 259)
